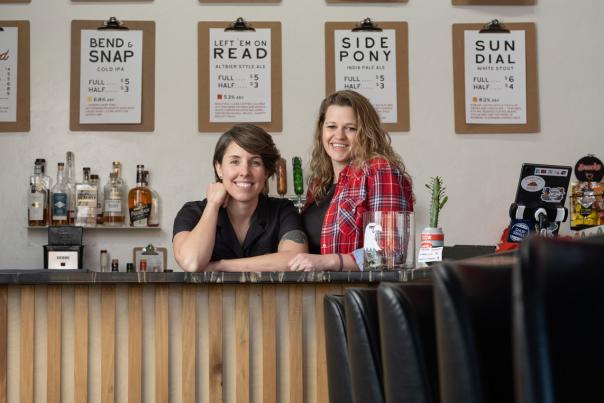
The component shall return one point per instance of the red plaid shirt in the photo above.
(378, 186)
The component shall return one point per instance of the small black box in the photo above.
(65, 235)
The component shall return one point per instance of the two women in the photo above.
(353, 169)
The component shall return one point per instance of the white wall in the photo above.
(480, 171)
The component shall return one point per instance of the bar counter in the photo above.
(169, 337)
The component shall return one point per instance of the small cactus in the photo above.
(438, 199)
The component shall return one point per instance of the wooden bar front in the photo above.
(202, 337)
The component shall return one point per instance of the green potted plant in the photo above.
(433, 236)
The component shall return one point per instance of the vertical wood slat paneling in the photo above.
(81, 343)
(53, 349)
(107, 343)
(215, 339)
(321, 378)
(242, 343)
(135, 343)
(269, 344)
(189, 351)
(161, 344)
(3, 341)
(296, 375)
(26, 379)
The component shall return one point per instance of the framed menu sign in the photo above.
(239, 76)
(493, 2)
(112, 76)
(373, 63)
(495, 78)
(14, 76)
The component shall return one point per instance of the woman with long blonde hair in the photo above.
(353, 170)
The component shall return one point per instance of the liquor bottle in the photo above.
(59, 198)
(139, 200)
(95, 181)
(45, 178)
(154, 215)
(113, 213)
(86, 196)
(37, 199)
(70, 182)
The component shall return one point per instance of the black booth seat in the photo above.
(559, 321)
(362, 329)
(407, 334)
(338, 366)
(473, 324)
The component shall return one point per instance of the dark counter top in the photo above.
(92, 277)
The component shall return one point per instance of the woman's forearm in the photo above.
(193, 250)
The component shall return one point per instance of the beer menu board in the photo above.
(239, 75)
(373, 63)
(366, 63)
(14, 76)
(9, 55)
(111, 76)
(495, 76)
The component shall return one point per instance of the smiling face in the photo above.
(338, 135)
(243, 174)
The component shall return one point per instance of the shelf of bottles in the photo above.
(87, 203)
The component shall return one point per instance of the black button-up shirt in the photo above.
(272, 219)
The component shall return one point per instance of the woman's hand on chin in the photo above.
(310, 262)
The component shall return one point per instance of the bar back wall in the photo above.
(480, 170)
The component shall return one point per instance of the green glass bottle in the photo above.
(298, 180)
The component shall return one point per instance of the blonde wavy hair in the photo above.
(371, 141)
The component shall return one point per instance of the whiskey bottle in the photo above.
(70, 182)
(139, 200)
(59, 198)
(37, 199)
(95, 181)
(154, 215)
(86, 196)
(114, 193)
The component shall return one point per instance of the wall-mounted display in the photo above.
(493, 2)
(374, 62)
(112, 76)
(366, 1)
(239, 75)
(495, 78)
(240, 1)
(14, 76)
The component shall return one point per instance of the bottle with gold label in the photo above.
(140, 199)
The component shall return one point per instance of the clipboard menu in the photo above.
(14, 76)
(239, 75)
(373, 62)
(495, 78)
(112, 76)
(493, 2)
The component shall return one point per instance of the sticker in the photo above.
(532, 183)
(589, 169)
(518, 231)
(551, 172)
(552, 195)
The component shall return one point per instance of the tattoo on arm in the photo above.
(297, 236)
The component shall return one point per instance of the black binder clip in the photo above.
(239, 25)
(367, 25)
(113, 23)
(494, 27)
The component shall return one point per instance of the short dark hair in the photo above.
(252, 139)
